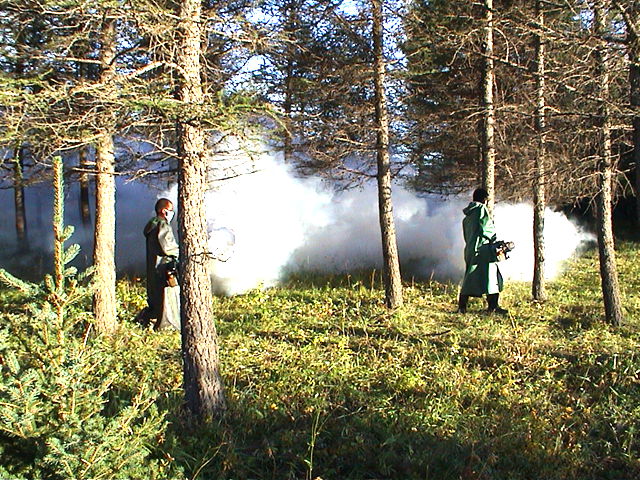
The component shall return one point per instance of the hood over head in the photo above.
(151, 225)
(471, 207)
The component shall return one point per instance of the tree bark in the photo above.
(18, 200)
(290, 30)
(539, 202)
(488, 112)
(391, 268)
(634, 83)
(105, 302)
(604, 198)
(630, 13)
(85, 209)
(204, 396)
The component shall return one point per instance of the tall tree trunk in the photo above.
(391, 269)
(18, 200)
(634, 82)
(105, 302)
(204, 394)
(85, 209)
(59, 238)
(631, 14)
(290, 30)
(604, 199)
(539, 203)
(488, 111)
(288, 140)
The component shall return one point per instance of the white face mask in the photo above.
(169, 215)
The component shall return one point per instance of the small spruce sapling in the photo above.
(56, 383)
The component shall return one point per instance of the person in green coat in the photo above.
(162, 250)
(482, 275)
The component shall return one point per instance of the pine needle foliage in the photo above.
(57, 382)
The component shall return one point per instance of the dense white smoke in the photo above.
(562, 239)
(280, 223)
(270, 223)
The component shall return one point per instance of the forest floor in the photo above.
(322, 382)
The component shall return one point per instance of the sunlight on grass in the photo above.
(322, 381)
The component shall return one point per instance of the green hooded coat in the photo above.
(482, 275)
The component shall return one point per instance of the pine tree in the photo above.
(56, 379)
(104, 248)
(487, 128)
(204, 395)
(606, 248)
(392, 279)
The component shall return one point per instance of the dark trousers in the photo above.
(492, 300)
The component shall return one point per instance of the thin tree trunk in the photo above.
(634, 81)
(488, 111)
(391, 269)
(288, 140)
(58, 242)
(290, 29)
(19, 203)
(604, 199)
(105, 302)
(631, 13)
(85, 209)
(539, 203)
(204, 396)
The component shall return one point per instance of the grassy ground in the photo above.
(323, 382)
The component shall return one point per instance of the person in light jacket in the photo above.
(162, 251)
(482, 275)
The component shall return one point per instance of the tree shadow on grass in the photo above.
(338, 431)
(350, 441)
(578, 317)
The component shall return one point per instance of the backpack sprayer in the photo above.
(171, 269)
(502, 249)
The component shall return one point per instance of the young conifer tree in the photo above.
(66, 78)
(57, 380)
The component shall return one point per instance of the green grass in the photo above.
(323, 382)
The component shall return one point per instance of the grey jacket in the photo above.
(161, 247)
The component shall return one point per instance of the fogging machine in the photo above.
(501, 249)
(171, 270)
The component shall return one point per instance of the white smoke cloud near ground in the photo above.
(273, 222)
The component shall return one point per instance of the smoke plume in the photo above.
(271, 222)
